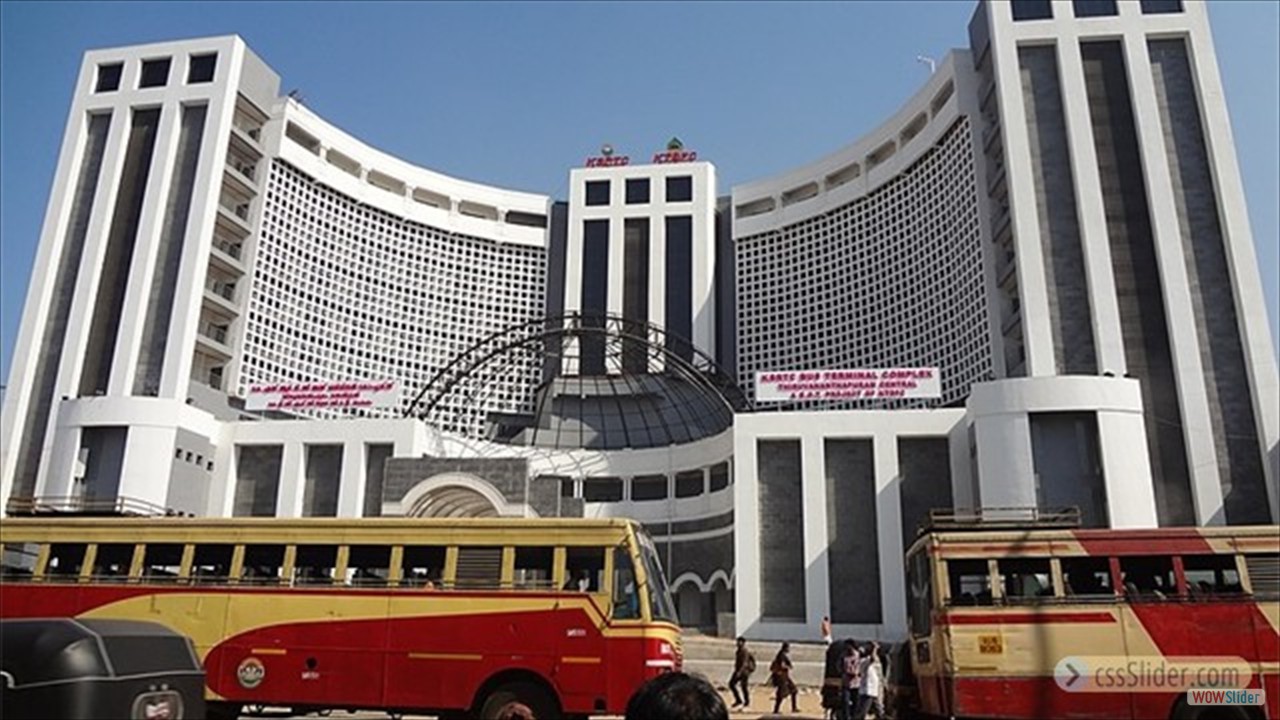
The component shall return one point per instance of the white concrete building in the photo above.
(1054, 221)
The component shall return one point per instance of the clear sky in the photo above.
(515, 94)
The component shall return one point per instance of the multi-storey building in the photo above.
(1054, 221)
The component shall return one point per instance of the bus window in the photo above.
(533, 568)
(584, 568)
(314, 564)
(19, 561)
(1148, 578)
(161, 562)
(626, 597)
(65, 560)
(262, 564)
(113, 561)
(211, 564)
(1025, 579)
(479, 567)
(970, 582)
(368, 565)
(1087, 577)
(422, 566)
(920, 602)
(1264, 574)
(661, 606)
(1209, 575)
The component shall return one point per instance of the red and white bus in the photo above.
(1076, 623)
(451, 617)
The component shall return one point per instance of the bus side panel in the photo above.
(442, 647)
(582, 671)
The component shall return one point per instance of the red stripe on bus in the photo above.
(1023, 618)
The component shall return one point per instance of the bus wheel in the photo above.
(522, 700)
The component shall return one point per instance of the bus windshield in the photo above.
(660, 603)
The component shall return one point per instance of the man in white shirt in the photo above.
(872, 685)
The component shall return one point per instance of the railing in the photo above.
(993, 518)
(217, 333)
(70, 504)
(230, 248)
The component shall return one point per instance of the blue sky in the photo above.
(516, 94)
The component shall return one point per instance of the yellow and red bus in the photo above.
(453, 617)
(1088, 623)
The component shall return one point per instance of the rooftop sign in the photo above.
(861, 384)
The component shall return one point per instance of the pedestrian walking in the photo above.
(872, 685)
(851, 680)
(744, 663)
(780, 676)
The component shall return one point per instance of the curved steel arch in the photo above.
(551, 335)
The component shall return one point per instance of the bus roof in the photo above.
(323, 530)
(1262, 538)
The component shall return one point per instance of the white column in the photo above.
(1006, 473)
(1091, 216)
(657, 275)
(292, 480)
(746, 530)
(1131, 500)
(893, 603)
(813, 491)
(352, 484)
(1024, 215)
(1184, 345)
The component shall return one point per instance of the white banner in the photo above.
(864, 384)
(293, 396)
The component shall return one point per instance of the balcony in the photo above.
(226, 255)
(79, 505)
(247, 140)
(234, 221)
(214, 339)
(238, 177)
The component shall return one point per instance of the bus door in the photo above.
(583, 618)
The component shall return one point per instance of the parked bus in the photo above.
(453, 617)
(1057, 623)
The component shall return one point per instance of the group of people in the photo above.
(862, 679)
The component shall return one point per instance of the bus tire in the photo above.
(1183, 711)
(511, 696)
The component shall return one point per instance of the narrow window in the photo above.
(649, 487)
(1161, 7)
(1087, 577)
(1147, 578)
(113, 561)
(314, 564)
(680, 188)
(689, 484)
(1032, 10)
(161, 563)
(1026, 580)
(368, 565)
(604, 489)
(1209, 575)
(211, 564)
(1094, 8)
(109, 77)
(155, 73)
(422, 566)
(263, 564)
(201, 68)
(584, 569)
(597, 192)
(970, 582)
(65, 561)
(19, 561)
(533, 568)
(637, 191)
(479, 568)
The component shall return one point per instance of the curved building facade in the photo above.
(235, 307)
